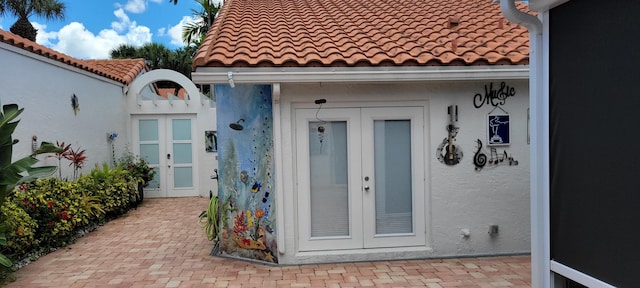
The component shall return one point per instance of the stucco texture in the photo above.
(461, 202)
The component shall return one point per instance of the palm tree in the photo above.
(198, 29)
(156, 55)
(23, 9)
(180, 60)
(124, 51)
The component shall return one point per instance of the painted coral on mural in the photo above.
(245, 157)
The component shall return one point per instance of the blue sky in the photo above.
(92, 28)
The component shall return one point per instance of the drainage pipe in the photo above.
(539, 153)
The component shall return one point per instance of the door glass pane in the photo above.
(151, 153)
(182, 153)
(393, 191)
(328, 175)
(148, 130)
(181, 129)
(182, 177)
(155, 182)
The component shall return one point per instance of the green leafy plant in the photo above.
(116, 188)
(20, 171)
(138, 167)
(91, 205)
(20, 229)
(49, 213)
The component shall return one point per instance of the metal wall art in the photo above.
(75, 104)
(448, 152)
(494, 96)
(480, 158)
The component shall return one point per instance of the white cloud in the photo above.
(123, 22)
(43, 37)
(175, 32)
(75, 40)
(136, 6)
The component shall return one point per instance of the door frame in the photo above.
(420, 202)
(164, 140)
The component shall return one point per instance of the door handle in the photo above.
(169, 156)
(366, 188)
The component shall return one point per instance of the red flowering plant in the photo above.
(51, 206)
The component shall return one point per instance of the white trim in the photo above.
(541, 217)
(578, 276)
(544, 5)
(277, 143)
(58, 63)
(208, 75)
(539, 150)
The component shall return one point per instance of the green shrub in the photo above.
(137, 167)
(116, 188)
(21, 229)
(54, 205)
(48, 213)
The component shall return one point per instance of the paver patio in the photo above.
(161, 245)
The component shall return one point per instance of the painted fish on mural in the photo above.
(256, 187)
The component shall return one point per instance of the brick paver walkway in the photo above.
(161, 245)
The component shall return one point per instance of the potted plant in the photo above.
(140, 170)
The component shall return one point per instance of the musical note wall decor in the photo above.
(495, 159)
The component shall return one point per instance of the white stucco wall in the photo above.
(458, 197)
(209, 160)
(44, 88)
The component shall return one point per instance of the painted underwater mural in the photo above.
(245, 164)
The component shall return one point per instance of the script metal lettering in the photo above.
(494, 97)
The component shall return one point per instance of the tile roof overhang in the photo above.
(123, 71)
(375, 40)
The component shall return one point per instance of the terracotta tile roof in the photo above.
(295, 33)
(123, 71)
(164, 92)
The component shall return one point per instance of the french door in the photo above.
(166, 142)
(360, 177)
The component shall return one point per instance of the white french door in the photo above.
(361, 177)
(167, 142)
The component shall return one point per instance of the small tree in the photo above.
(15, 173)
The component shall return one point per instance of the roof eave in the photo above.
(210, 75)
